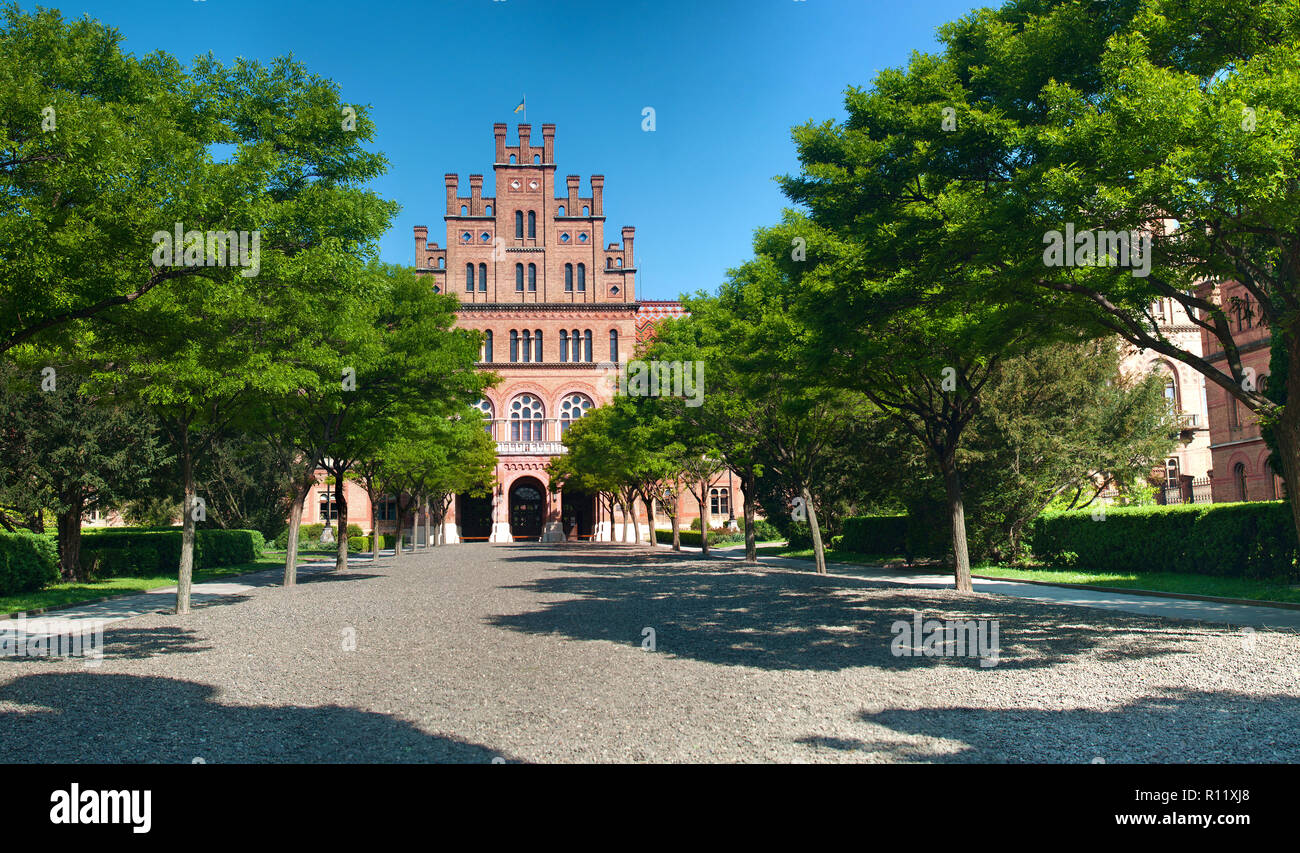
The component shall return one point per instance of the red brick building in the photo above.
(556, 299)
(1240, 469)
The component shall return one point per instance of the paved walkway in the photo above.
(1147, 605)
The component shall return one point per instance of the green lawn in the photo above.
(1188, 584)
(61, 594)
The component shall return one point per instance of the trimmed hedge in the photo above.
(386, 540)
(1250, 540)
(28, 561)
(915, 535)
(309, 537)
(130, 561)
(689, 538)
(131, 548)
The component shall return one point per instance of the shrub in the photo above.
(212, 548)
(921, 533)
(1250, 540)
(689, 538)
(28, 561)
(128, 561)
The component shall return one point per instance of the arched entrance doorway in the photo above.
(578, 513)
(475, 517)
(527, 508)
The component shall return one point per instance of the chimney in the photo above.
(548, 143)
(475, 191)
(453, 181)
(572, 209)
(499, 130)
(628, 233)
(421, 238)
(525, 156)
(597, 195)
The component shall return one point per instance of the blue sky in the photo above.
(727, 81)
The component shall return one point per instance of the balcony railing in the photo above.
(530, 448)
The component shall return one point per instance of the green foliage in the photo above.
(109, 562)
(693, 538)
(212, 548)
(28, 561)
(1249, 540)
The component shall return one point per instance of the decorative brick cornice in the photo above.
(606, 307)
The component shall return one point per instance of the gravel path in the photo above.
(477, 653)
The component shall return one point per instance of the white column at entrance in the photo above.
(500, 518)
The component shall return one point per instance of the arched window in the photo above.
(442, 262)
(582, 278)
(514, 345)
(572, 408)
(482, 278)
(519, 224)
(528, 345)
(613, 344)
(1234, 413)
(1239, 478)
(609, 263)
(537, 345)
(1171, 471)
(564, 344)
(618, 262)
(568, 278)
(329, 508)
(526, 418)
(485, 406)
(537, 159)
(469, 278)
(519, 277)
(463, 210)
(487, 211)
(560, 212)
(512, 159)
(586, 345)
(532, 223)
(486, 355)
(719, 502)
(586, 211)
(532, 277)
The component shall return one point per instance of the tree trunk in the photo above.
(819, 551)
(654, 520)
(300, 492)
(961, 556)
(751, 541)
(677, 528)
(341, 553)
(636, 527)
(69, 524)
(703, 495)
(185, 572)
(374, 528)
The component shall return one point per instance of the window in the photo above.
(487, 346)
(467, 237)
(586, 345)
(1234, 413)
(519, 277)
(582, 238)
(537, 345)
(537, 159)
(526, 418)
(564, 238)
(560, 212)
(469, 278)
(329, 506)
(519, 224)
(572, 408)
(564, 344)
(386, 509)
(609, 263)
(568, 278)
(618, 262)
(586, 211)
(485, 237)
(532, 277)
(532, 223)
(582, 278)
(487, 211)
(512, 159)
(1171, 471)
(528, 345)
(514, 345)
(719, 502)
(1239, 477)
(613, 344)
(463, 210)
(482, 278)
(442, 262)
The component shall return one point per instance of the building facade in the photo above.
(1240, 470)
(556, 300)
(1185, 473)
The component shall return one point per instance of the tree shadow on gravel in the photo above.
(1171, 726)
(794, 620)
(127, 719)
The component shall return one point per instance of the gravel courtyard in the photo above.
(476, 653)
